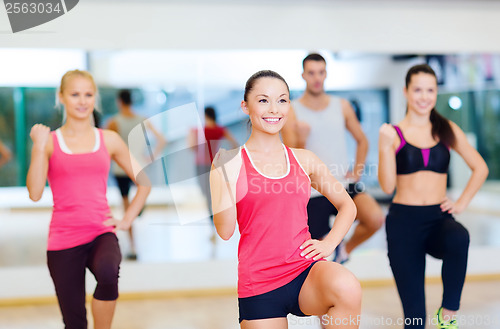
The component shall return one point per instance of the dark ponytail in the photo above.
(441, 128)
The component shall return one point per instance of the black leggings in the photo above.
(319, 210)
(413, 232)
(67, 269)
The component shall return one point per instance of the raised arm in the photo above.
(161, 141)
(476, 164)
(387, 158)
(223, 177)
(121, 155)
(323, 181)
(39, 165)
(353, 125)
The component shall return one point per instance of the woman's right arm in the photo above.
(387, 158)
(121, 155)
(161, 141)
(39, 165)
(223, 177)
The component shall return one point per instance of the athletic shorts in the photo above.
(124, 184)
(319, 210)
(277, 303)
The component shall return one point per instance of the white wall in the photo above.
(360, 25)
(385, 26)
(37, 67)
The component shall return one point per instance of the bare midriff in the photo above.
(420, 188)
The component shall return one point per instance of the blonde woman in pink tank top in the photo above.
(75, 160)
(264, 187)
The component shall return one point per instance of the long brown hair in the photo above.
(441, 128)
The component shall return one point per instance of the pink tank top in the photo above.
(272, 219)
(78, 183)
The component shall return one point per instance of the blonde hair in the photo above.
(70, 74)
(64, 81)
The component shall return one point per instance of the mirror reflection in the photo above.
(175, 225)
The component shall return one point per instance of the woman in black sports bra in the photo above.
(413, 159)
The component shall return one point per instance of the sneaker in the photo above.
(442, 324)
(131, 256)
(340, 254)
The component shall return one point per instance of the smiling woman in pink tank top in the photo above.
(75, 159)
(265, 186)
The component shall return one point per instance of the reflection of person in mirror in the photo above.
(280, 268)
(75, 159)
(5, 154)
(123, 123)
(318, 123)
(413, 160)
(206, 144)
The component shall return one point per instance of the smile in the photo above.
(272, 120)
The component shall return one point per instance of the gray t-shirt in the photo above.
(327, 136)
(125, 125)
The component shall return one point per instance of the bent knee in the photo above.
(373, 222)
(378, 221)
(106, 292)
(106, 273)
(346, 290)
(457, 239)
(462, 236)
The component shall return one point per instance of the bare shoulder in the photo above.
(455, 127)
(347, 109)
(460, 137)
(302, 154)
(227, 163)
(227, 157)
(306, 158)
(457, 131)
(346, 105)
(110, 135)
(112, 140)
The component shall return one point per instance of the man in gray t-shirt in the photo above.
(318, 122)
(123, 123)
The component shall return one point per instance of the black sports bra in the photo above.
(410, 159)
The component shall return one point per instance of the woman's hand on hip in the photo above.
(316, 249)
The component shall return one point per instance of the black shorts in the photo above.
(124, 184)
(319, 210)
(354, 189)
(277, 303)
